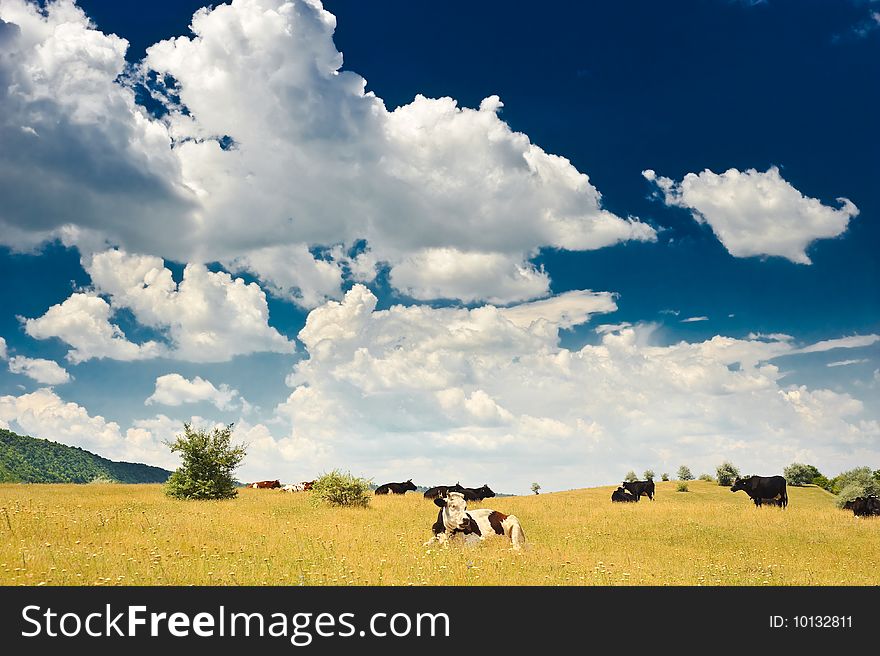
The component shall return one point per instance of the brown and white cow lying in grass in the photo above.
(476, 525)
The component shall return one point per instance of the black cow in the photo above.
(638, 488)
(477, 493)
(761, 489)
(442, 491)
(864, 506)
(620, 494)
(396, 488)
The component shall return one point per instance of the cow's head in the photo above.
(409, 485)
(738, 484)
(454, 510)
(486, 492)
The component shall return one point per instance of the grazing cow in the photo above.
(442, 490)
(307, 485)
(864, 506)
(477, 493)
(476, 525)
(395, 488)
(295, 487)
(638, 488)
(268, 485)
(762, 488)
(620, 494)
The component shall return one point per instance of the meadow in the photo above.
(111, 534)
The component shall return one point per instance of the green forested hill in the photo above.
(31, 460)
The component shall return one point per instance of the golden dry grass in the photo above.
(132, 534)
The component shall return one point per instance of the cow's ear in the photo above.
(440, 501)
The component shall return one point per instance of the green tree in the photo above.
(684, 473)
(649, 474)
(798, 474)
(664, 476)
(630, 476)
(727, 473)
(535, 487)
(858, 482)
(209, 458)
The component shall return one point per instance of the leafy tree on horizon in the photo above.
(797, 474)
(630, 476)
(684, 473)
(649, 474)
(209, 458)
(727, 473)
(535, 487)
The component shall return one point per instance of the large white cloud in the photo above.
(207, 317)
(756, 213)
(270, 150)
(47, 372)
(474, 395)
(174, 390)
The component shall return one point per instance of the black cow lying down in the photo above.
(623, 495)
(396, 488)
(763, 489)
(864, 506)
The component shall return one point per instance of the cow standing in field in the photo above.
(396, 488)
(638, 488)
(477, 493)
(442, 490)
(763, 488)
(265, 485)
(622, 495)
(476, 525)
(864, 506)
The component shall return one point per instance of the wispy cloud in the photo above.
(693, 319)
(843, 363)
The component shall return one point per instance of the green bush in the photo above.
(706, 477)
(798, 474)
(684, 474)
(208, 462)
(630, 476)
(664, 476)
(649, 474)
(727, 473)
(681, 487)
(858, 482)
(338, 489)
(822, 482)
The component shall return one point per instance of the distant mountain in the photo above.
(32, 460)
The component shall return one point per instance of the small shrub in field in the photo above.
(727, 473)
(681, 487)
(649, 474)
(664, 476)
(684, 474)
(822, 482)
(630, 476)
(706, 477)
(338, 489)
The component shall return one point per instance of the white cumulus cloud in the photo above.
(269, 151)
(756, 213)
(174, 390)
(47, 372)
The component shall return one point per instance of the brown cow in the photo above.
(268, 485)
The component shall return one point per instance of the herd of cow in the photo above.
(454, 519)
(763, 490)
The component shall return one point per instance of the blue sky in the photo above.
(478, 309)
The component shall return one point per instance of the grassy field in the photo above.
(106, 534)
